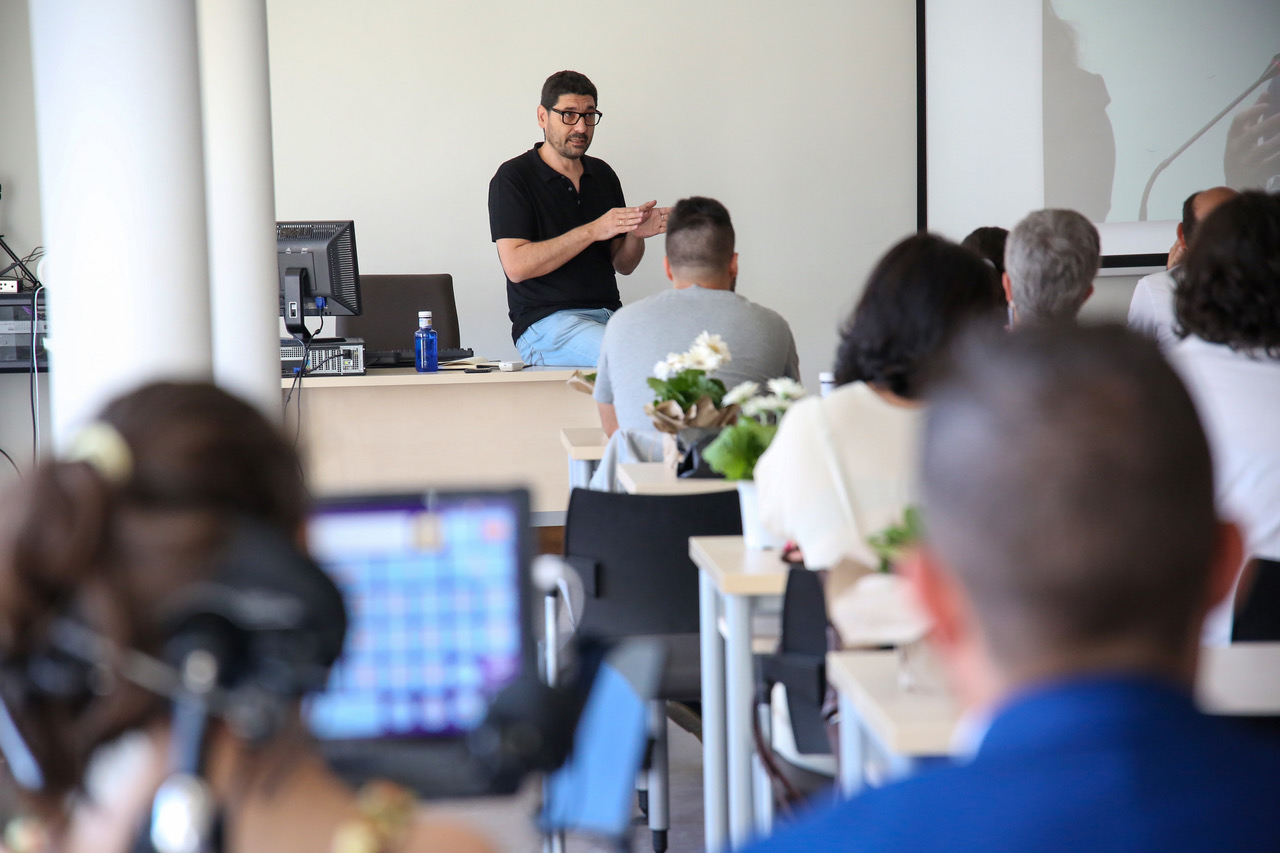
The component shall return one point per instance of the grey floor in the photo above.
(509, 821)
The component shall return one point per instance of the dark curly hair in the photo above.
(1229, 290)
(917, 297)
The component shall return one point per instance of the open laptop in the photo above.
(437, 589)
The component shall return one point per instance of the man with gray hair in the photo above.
(1071, 551)
(1050, 260)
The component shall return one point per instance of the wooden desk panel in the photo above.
(401, 430)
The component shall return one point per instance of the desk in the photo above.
(1241, 679)
(655, 478)
(398, 429)
(585, 446)
(730, 578)
(876, 712)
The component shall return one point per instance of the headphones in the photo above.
(241, 646)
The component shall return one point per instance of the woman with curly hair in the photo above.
(1228, 312)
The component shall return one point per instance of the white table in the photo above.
(400, 430)
(731, 577)
(655, 478)
(585, 448)
(902, 725)
(877, 713)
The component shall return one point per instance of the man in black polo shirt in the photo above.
(563, 230)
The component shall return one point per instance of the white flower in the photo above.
(787, 389)
(711, 349)
(670, 366)
(741, 393)
(702, 358)
(772, 404)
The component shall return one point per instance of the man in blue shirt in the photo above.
(563, 229)
(1072, 552)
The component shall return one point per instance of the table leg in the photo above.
(715, 801)
(580, 471)
(739, 696)
(850, 748)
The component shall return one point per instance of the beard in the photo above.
(568, 151)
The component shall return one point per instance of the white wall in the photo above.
(800, 117)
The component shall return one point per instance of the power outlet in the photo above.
(8, 285)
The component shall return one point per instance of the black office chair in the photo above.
(1257, 618)
(391, 304)
(632, 553)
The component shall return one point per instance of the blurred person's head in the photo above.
(1051, 259)
(700, 242)
(1229, 289)
(988, 241)
(1067, 496)
(918, 296)
(1197, 208)
(114, 540)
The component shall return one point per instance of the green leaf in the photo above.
(889, 543)
(736, 449)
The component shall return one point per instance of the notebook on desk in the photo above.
(436, 594)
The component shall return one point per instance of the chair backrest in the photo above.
(633, 554)
(391, 304)
(1257, 618)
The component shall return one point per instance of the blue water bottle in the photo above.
(424, 345)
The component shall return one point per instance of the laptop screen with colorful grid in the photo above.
(434, 595)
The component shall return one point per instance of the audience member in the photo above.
(1151, 309)
(703, 268)
(988, 241)
(1072, 551)
(1228, 304)
(1050, 260)
(110, 544)
(841, 466)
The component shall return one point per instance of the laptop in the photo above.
(437, 592)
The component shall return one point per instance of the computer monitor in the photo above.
(436, 586)
(319, 273)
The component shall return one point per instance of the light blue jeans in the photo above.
(565, 338)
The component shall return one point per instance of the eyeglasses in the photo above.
(571, 117)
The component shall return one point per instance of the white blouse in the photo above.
(840, 467)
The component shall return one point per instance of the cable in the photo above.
(32, 381)
(306, 351)
(11, 462)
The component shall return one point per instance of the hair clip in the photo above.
(105, 450)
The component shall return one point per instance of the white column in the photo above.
(122, 189)
(239, 182)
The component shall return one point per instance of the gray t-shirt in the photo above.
(643, 333)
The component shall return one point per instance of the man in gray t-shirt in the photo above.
(703, 268)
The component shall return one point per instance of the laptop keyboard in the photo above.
(404, 357)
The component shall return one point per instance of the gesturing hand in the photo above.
(655, 220)
(620, 220)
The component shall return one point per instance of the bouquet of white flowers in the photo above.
(736, 450)
(684, 395)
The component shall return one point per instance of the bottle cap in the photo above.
(426, 314)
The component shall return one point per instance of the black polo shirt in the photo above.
(530, 200)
